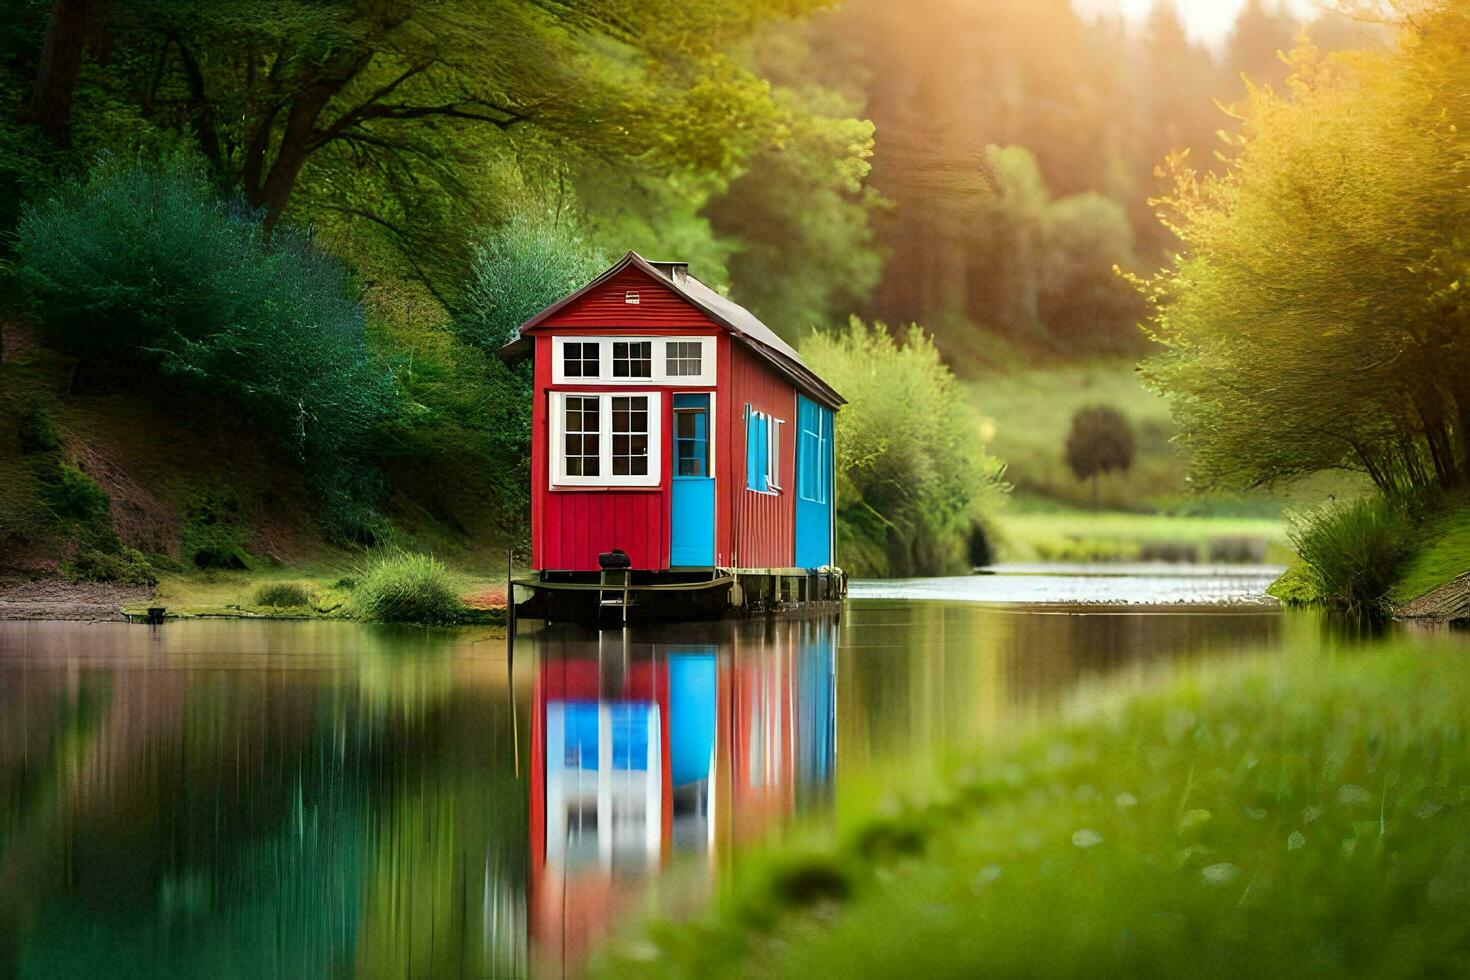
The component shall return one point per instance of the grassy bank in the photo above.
(1276, 816)
(1061, 534)
(328, 589)
(1376, 555)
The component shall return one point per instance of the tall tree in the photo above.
(1317, 318)
(61, 60)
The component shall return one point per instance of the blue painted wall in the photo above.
(814, 474)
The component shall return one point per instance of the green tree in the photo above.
(1317, 318)
(1100, 442)
(912, 476)
(1085, 304)
(143, 264)
(519, 269)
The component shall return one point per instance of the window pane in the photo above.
(632, 359)
(683, 358)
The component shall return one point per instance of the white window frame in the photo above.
(773, 453)
(556, 449)
(773, 449)
(660, 374)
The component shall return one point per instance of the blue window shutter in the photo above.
(755, 450)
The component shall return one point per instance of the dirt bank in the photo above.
(91, 602)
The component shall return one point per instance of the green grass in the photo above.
(1031, 413)
(1270, 816)
(1075, 535)
(1352, 551)
(404, 587)
(1442, 555)
(282, 595)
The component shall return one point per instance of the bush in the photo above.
(282, 595)
(912, 474)
(127, 565)
(75, 497)
(214, 532)
(518, 270)
(38, 432)
(1352, 552)
(143, 264)
(404, 587)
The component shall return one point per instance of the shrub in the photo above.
(1352, 552)
(404, 587)
(912, 474)
(126, 565)
(282, 595)
(75, 497)
(214, 533)
(520, 268)
(38, 432)
(143, 264)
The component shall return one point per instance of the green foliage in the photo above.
(37, 432)
(1317, 317)
(520, 268)
(1279, 815)
(1297, 586)
(142, 263)
(824, 262)
(74, 497)
(215, 533)
(282, 595)
(127, 566)
(1101, 441)
(1352, 552)
(1441, 551)
(912, 476)
(404, 587)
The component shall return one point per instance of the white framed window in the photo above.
(581, 360)
(605, 439)
(683, 359)
(634, 360)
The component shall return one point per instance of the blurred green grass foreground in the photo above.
(1264, 816)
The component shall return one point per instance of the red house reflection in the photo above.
(643, 751)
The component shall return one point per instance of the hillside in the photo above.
(187, 490)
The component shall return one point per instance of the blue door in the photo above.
(692, 541)
(814, 472)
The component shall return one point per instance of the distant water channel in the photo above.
(310, 799)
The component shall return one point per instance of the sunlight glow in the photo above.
(1209, 21)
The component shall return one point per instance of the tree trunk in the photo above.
(61, 60)
(299, 135)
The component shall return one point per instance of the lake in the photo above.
(217, 798)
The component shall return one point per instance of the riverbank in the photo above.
(220, 594)
(1280, 814)
(1411, 561)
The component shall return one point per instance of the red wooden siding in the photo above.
(572, 526)
(658, 306)
(763, 524)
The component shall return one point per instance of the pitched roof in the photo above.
(740, 322)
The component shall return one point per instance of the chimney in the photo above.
(673, 271)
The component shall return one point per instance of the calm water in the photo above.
(217, 799)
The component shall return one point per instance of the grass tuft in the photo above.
(405, 587)
(1352, 552)
(282, 595)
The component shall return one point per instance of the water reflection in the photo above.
(219, 799)
(652, 750)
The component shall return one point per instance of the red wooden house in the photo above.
(672, 425)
